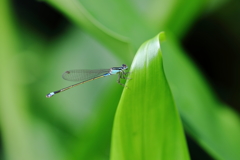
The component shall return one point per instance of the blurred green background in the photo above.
(42, 39)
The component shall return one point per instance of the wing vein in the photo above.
(83, 74)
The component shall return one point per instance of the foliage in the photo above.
(78, 124)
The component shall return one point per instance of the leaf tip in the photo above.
(162, 36)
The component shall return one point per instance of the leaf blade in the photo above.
(210, 123)
(147, 125)
(73, 9)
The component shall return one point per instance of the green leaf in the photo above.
(214, 126)
(15, 120)
(131, 21)
(147, 124)
(79, 15)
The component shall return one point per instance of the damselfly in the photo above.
(85, 75)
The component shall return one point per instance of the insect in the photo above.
(87, 75)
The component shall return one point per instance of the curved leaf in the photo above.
(214, 126)
(77, 13)
(147, 124)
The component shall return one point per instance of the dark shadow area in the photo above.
(40, 17)
(213, 44)
(196, 152)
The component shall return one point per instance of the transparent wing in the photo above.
(83, 74)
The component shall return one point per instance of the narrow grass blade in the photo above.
(14, 116)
